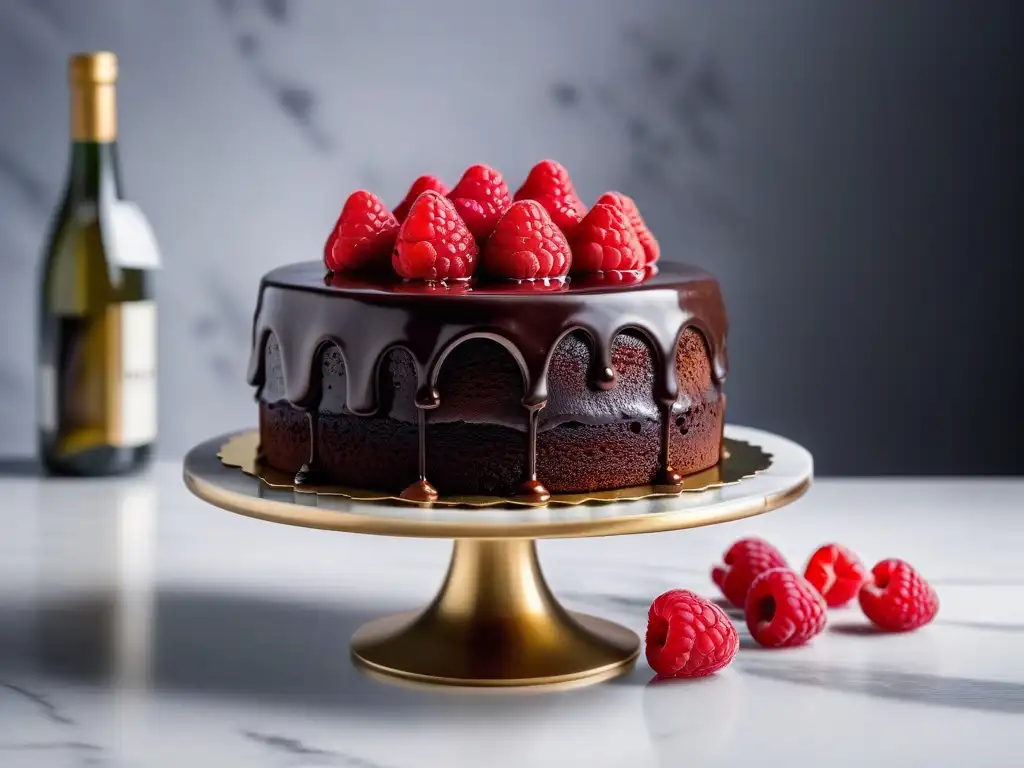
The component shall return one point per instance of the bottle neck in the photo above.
(94, 168)
(94, 171)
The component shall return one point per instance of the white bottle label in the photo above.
(128, 237)
(138, 406)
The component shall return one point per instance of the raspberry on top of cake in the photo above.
(542, 232)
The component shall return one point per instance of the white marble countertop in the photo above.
(141, 627)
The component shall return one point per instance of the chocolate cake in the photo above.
(497, 388)
(472, 342)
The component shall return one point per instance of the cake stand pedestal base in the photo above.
(495, 623)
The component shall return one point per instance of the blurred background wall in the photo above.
(851, 171)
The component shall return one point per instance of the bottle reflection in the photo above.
(95, 580)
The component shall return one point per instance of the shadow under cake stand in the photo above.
(495, 622)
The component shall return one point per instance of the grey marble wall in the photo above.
(846, 169)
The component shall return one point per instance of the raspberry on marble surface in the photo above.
(688, 636)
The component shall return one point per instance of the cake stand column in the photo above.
(495, 623)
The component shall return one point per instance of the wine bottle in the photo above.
(97, 325)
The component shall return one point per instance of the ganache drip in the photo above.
(532, 487)
(365, 320)
(422, 490)
(309, 473)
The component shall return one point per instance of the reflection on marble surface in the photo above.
(139, 627)
(94, 562)
(695, 719)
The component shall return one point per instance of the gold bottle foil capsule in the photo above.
(96, 67)
(92, 77)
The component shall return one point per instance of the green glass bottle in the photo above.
(97, 325)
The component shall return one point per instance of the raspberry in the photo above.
(896, 598)
(481, 197)
(363, 236)
(549, 184)
(526, 244)
(421, 185)
(745, 560)
(605, 240)
(652, 251)
(687, 636)
(837, 574)
(783, 609)
(433, 242)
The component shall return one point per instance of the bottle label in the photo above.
(100, 389)
(127, 237)
(132, 416)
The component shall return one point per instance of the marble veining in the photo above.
(297, 749)
(297, 101)
(48, 746)
(45, 706)
(675, 112)
(43, 747)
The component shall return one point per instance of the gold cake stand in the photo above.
(495, 622)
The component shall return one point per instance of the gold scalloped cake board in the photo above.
(741, 461)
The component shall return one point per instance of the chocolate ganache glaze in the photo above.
(304, 313)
